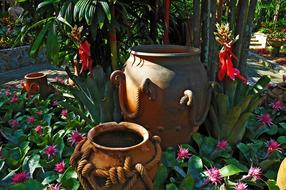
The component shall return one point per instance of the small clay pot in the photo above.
(37, 83)
(278, 92)
(117, 156)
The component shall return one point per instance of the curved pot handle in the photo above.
(118, 78)
(187, 99)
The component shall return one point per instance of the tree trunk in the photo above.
(196, 23)
(154, 19)
(231, 18)
(240, 28)
(166, 22)
(247, 36)
(208, 55)
(219, 9)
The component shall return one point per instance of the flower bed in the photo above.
(37, 139)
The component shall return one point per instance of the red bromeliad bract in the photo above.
(85, 57)
(226, 66)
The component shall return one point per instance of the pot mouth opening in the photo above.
(35, 75)
(164, 51)
(118, 136)
(282, 85)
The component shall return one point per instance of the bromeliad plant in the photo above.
(37, 138)
(233, 100)
(212, 164)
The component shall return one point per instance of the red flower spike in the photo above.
(85, 57)
(226, 65)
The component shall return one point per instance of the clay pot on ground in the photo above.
(278, 92)
(166, 90)
(117, 156)
(37, 83)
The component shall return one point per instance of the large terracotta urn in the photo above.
(281, 175)
(164, 88)
(117, 156)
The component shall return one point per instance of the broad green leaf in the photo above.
(282, 139)
(171, 186)
(50, 177)
(60, 18)
(34, 163)
(187, 183)
(46, 3)
(106, 9)
(52, 44)
(271, 184)
(160, 177)
(229, 170)
(29, 184)
(39, 40)
(195, 165)
(283, 125)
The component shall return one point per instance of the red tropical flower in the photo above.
(39, 129)
(50, 151)
(75, 137)
(226, 66)
(183, 153)
(20, 177)
(60, 167)
(85, 57)
(222, 144)
(273, 145)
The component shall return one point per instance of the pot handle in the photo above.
(118, 78)
(187, 99)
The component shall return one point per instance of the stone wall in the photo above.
(14, 58)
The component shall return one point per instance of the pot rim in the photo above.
(282, 85)
(181, 51)
(109, 126)
(38, 75)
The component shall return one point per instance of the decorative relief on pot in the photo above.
(117, 156)
(164, 87)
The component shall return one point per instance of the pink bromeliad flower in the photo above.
(272, 145)
(14, 99)
(222, 144)
(14, 123)
(50, 151)
(20, 177)
(183, 153)
(55, 187)
(240, 186)
(265, 119)
(75, 137)
(39, 129)
(64, 113)
(60, 167)
(277, 105)
(39, 113)
(31, 119)
(8, 93)
(214, 176)
(254, 172)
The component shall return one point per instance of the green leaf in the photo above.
(60, 18)
(187, 183)
(195, 165)
(46, 3)
(171, 186)
(29, 184)
(50, 177)
(283, 125)
(106, 9)
(282, 139)
(34, 163)
(229, 170)
(52, 44)
(271, 184)
(160, 177)
(39, 40)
